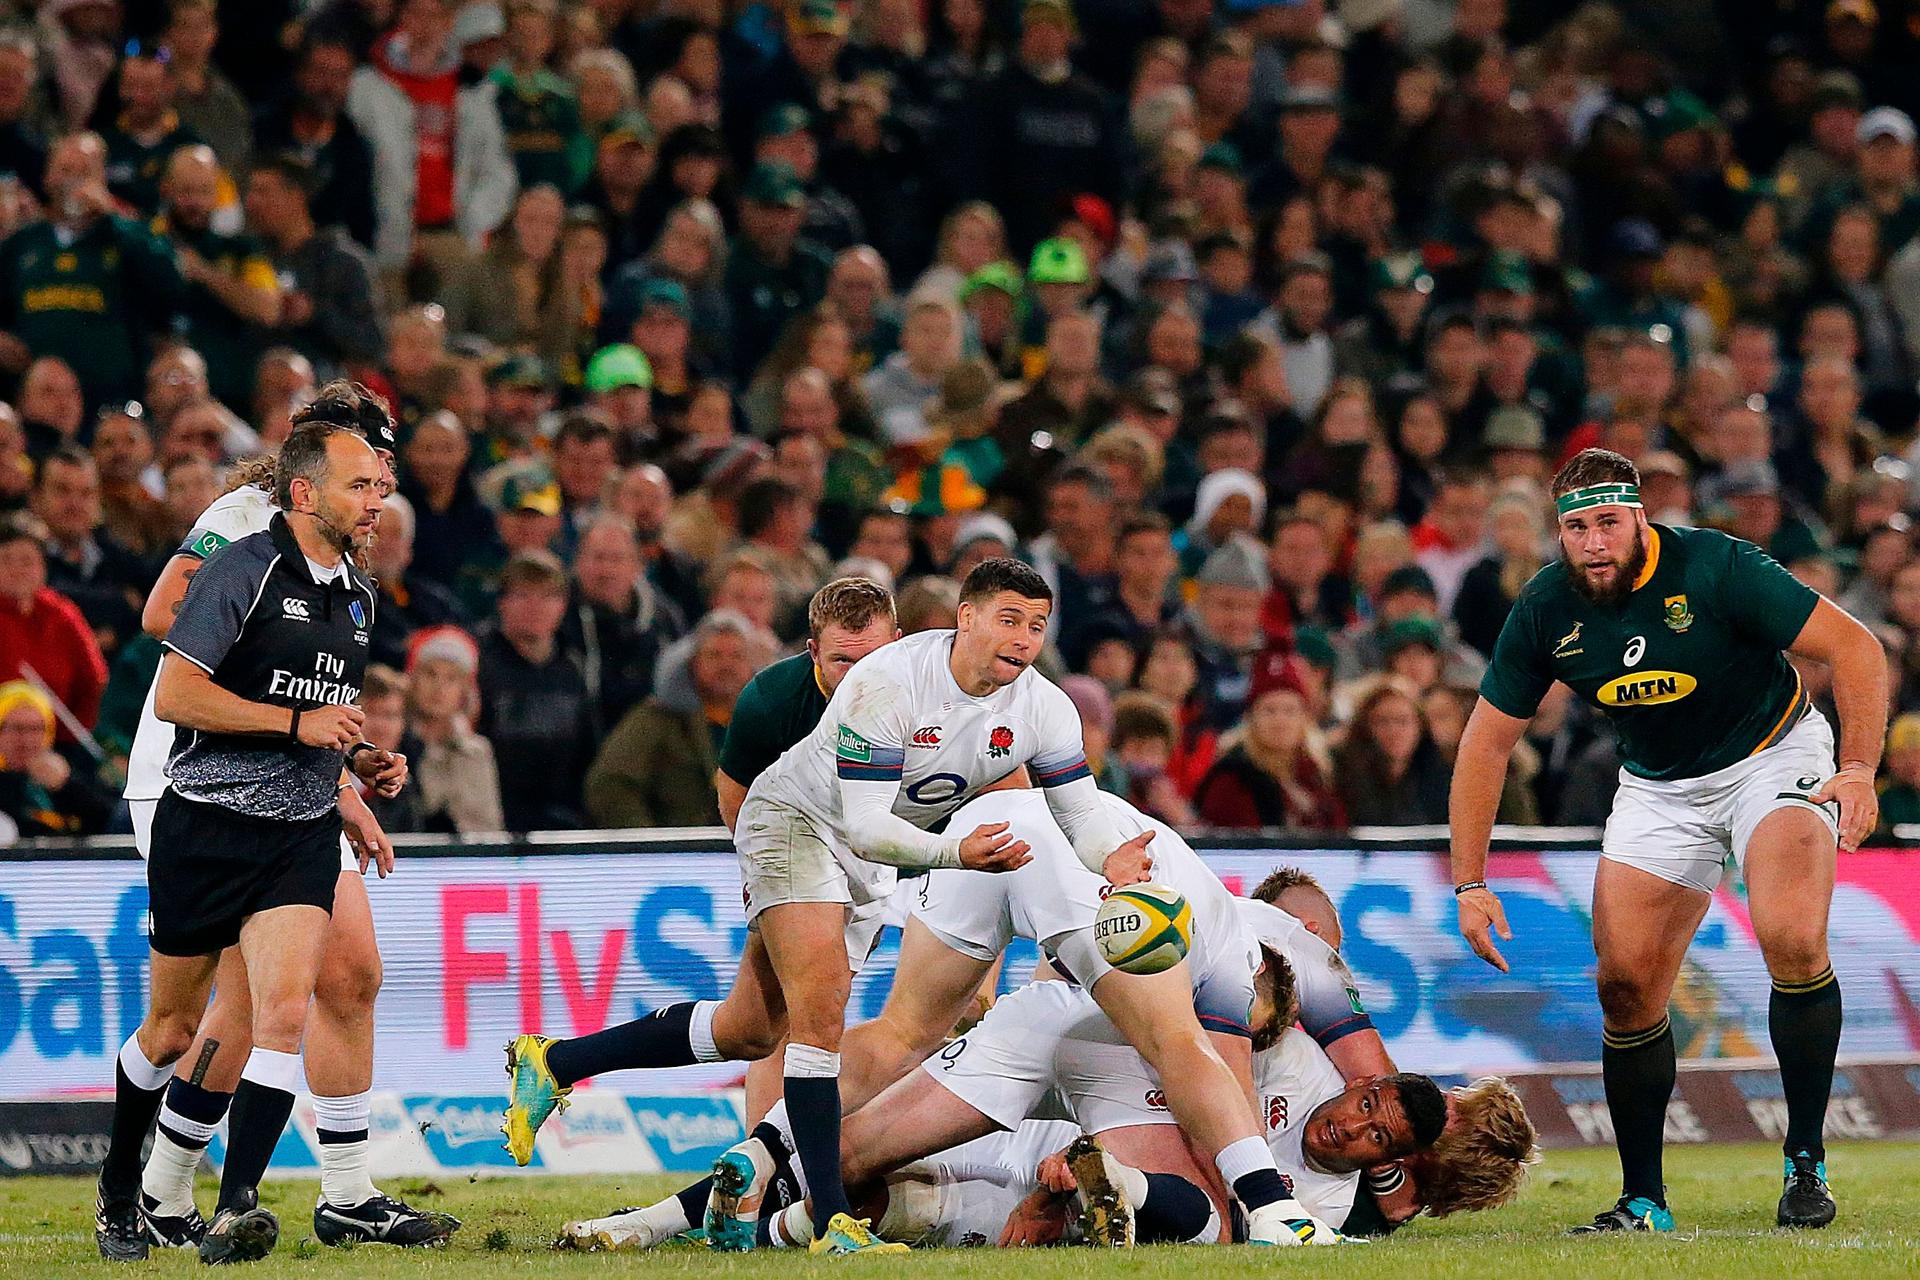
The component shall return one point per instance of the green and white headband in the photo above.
(1597, 495)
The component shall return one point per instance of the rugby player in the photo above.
(245, 838)
(910, 734)
(1680, 638)
(847, 619)
(339, 1034)
(1195, 1013)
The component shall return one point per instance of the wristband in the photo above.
(1468, 887)
(293, 727)
(357, 748)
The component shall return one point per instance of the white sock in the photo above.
(792, 1227)
(1133, 1183)
(169, 1175)
(1238, 1159)
(669, 1215)
(143, 1074)
(273, 1068)
(341, 1125)
(700, 1032)
(811, 1062)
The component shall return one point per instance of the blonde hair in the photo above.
(1482, 1156)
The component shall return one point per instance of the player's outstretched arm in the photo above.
(1835, 637)
(1479, 771)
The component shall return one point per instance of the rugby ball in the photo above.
(1144, 928)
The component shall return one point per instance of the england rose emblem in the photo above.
(999, 742)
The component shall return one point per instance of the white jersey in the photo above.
(1330, 1006)
(233, 516)
(1292, 1078)
(899, 717)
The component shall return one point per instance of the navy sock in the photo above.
(254, 1123)
(134, 1110)
(661, 1039)
(1261, 1187)
(197, 1106)
(813, 1108)
(1637, 1068)
(1174, 1211)
(1804, 1019)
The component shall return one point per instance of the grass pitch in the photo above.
(1723, 1197)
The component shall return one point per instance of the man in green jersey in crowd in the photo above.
(87, 284)
(1680, 638)
(846, 620)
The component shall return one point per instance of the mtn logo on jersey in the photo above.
(297, 609)
(1646, 689)
(926, 736)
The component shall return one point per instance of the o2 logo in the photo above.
(951, 1054)
(937, 788)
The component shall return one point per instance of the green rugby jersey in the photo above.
(778, 708)
(91, 299)
(230, 344)
(1689, 669)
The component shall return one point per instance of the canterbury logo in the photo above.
(295, 609)
(927, 737)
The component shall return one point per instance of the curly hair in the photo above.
(1277, 971)
(1482, 1157)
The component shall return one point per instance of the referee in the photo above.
(264, 665)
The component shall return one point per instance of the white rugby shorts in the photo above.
(789, 856)
(1683, 830)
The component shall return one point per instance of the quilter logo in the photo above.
(463, 1132)
(686, 1133)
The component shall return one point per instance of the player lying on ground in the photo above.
(999, 1187)
(338, 1048)
(1680, 639)
(962, 921)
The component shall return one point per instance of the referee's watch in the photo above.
(356, 749)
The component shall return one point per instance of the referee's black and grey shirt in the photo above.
(272, 626)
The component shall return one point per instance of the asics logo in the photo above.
(927, 736)
(293, 608)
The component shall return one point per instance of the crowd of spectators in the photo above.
(1257, 326)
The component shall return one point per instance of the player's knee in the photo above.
(743, 1038)
(1625, 999)
(348, 988)
(166, 1037)
(1794, 952)
(279, 1023)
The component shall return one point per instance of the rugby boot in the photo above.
(381, 1220)
(847, 1234)
(1106, 1218)
(1806, 1200)
(1630, 1213)
(532, 1096)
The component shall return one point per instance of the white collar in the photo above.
(323, 575)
